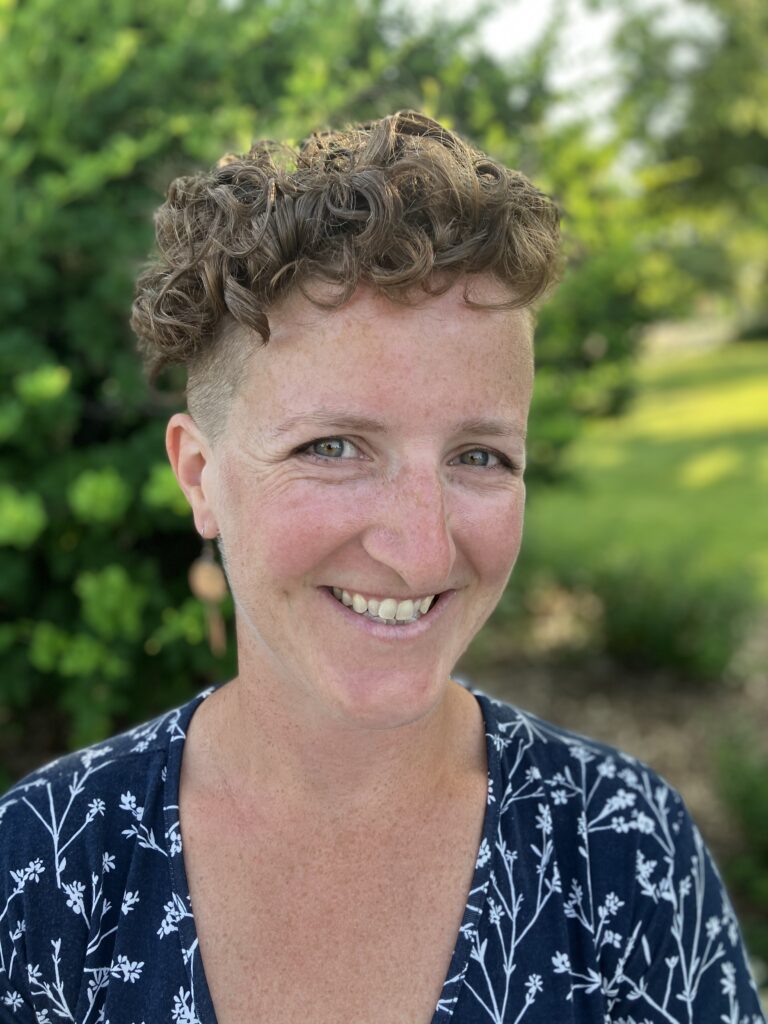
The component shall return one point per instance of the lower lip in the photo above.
(393, 634)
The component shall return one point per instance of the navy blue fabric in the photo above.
(594, 899)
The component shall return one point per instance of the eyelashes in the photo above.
(502, 461)
(326, 457)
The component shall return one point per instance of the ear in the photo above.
(190, 454)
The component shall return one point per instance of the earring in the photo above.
(209, 585)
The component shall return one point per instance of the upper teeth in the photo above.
(388, 609)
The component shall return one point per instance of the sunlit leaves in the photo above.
(112, 603)
(162, 490)
(22, 517)
(99, 496)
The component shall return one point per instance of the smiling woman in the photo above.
(393, 509)
(343, 833)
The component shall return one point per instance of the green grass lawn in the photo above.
(682, 477)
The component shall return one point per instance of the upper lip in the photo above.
(381, 594)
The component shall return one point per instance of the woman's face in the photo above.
(376, 449)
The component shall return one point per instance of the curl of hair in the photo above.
(400, 203)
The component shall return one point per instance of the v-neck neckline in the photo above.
(473, 910)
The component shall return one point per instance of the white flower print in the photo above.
(495, 911)
(643, 823)
(127, 970)
(130, 899)
(175, 911)
(534, 984)
(183, 1008)
(607, 768)
(87, 757)
(128, 803)
(544, 820)
(612, 903)
(728, 980)
(13, 1000)
(173, 835)
(561, 962)
(96, 807)
(75, 891)
(484, 854)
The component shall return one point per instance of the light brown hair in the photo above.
(402, 204)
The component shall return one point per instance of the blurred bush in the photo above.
(670, 616)
(693, 87)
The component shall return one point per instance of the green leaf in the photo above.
(11, 418)
(162, 490)
(46, 646)
(22, 517)
(99, 496)
(112, 604)
(45, 384)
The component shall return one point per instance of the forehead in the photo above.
(373, 355)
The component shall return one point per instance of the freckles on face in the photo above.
(278, 519)
(290, 522)
(420, 493)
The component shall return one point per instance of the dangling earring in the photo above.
(209, 585)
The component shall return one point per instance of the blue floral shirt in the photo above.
(594, 899)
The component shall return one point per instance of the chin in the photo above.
(387, 699)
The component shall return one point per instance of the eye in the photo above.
(484, 458)
(328, 449)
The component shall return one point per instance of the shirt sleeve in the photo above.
(684, 962)
(18, 873)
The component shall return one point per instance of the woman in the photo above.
(365, 840)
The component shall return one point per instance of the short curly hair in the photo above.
(401, 204)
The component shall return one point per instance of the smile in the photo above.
(387, 610)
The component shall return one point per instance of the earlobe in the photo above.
(189, 454)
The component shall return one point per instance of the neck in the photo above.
(252, 744)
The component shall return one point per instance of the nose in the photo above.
(410, 530)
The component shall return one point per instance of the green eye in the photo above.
(330, 447)
(478, 457)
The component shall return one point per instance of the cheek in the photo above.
(289, 536)
(493, 536)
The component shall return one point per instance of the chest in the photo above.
(332, 928)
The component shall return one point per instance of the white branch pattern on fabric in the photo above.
(594, 899)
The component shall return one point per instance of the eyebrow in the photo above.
(330, 420)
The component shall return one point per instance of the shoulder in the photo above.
(87, 786)
(526, 742)
(592, 797)
(638, 908)
(139, 743)
(82, 842)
